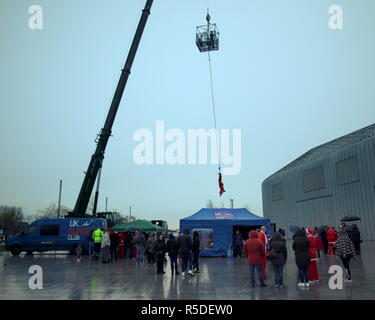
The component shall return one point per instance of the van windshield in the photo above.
(29, 230)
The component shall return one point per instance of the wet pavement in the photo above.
(220, 278)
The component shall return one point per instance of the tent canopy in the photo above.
(142, 225)
(221, 222)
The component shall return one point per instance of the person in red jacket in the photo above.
(318, 243)
(313, 266)
(263, 237)
(331, 236)
(255, 253)
(121, 248)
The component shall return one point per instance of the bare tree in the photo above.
(48, 212)
(11, 219)
(52, 211)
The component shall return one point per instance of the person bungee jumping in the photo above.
(221, 184)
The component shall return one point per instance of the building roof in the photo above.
(223, 214)
(331, 147)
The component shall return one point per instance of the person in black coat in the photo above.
(128, 245)
(186, 246)
(278, 244)
(113, 249)
(324, 239)
(238, 244)
(160, 249)
(196, 250)
(301, 248)
(355, 236)
(172, 249)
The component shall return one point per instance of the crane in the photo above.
(97, 158)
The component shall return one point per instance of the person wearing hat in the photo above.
(331, 236)
(318, 243)
(255, 254)
(313, 266)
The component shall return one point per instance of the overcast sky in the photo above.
(282, 76)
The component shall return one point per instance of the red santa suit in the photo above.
(318, 242)
(262, 237)
(121, 247)
(313, 266)
(331, 236)
(221, 185)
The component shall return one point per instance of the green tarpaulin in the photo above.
(142, 225)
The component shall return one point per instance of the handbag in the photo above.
(272, 254)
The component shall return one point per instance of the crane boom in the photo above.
(98, 156)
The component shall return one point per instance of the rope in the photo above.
(214, 111)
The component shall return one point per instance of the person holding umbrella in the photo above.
(345, 250)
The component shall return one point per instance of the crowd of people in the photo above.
(108, 245)
(307, 244)
(258, 249)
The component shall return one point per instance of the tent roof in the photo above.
(218, 214)
(142, 225)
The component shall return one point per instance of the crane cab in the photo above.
(207, 36)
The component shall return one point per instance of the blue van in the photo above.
(58, 234)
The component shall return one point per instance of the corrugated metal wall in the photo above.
(329, 204)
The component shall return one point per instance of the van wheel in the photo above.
(15, 249)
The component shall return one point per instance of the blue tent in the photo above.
(216, 227)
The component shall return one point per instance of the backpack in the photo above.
(272, 254)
